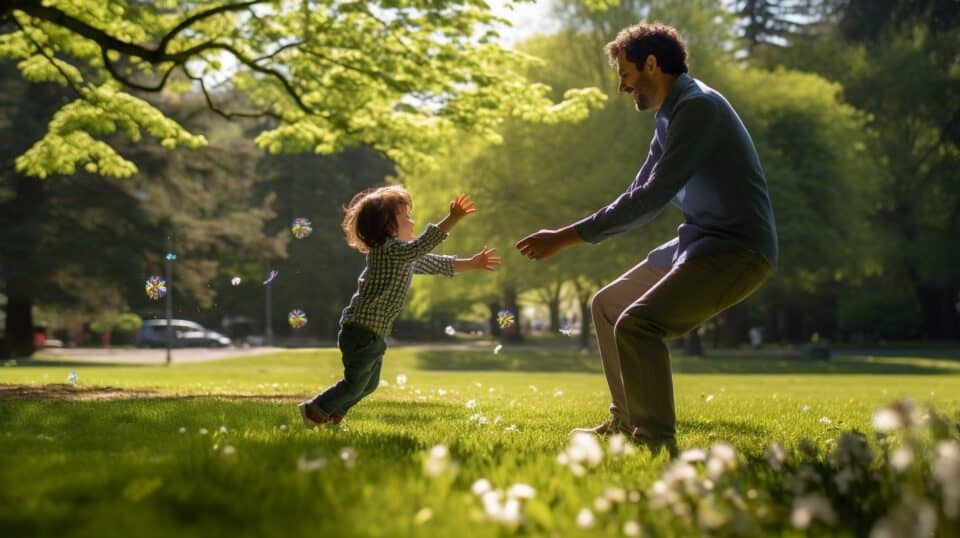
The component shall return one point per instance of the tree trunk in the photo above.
(692, 344)
(554, 306)
(586, 321)
(939, 309)
(19, 332)
(494, 325)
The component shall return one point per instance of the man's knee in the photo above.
(600, 306)
(640, 323)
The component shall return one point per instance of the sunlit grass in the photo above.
(122, 467)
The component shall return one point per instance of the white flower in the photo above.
(438, 461)
(223, 429)
(693, 455)
(557, 393)
(901, 459)
(423, 515)
(618, 444)
(806, 408)
(617, 495)
(723, 457)
(533, 388)
(510, 513)
(471, 404)
(946, 471)
(585, 519)
(631, 528)
(182, 430)
(401, 379)
(602, 504)
(708, 398)
(887, 419)
(810, 507)
(283, 427)
(634, 496)
(348, 455)
(203, 431)
(521, 491)
(584, 448)
(825, 420)
(442, 392)
(307, 465)
(229, 450)
(481, 486)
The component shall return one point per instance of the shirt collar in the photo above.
(678, 86)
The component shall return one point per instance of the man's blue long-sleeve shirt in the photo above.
(703, 159)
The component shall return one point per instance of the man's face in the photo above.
(638, 83)
(404, 225)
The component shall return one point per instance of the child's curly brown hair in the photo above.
(371, 217)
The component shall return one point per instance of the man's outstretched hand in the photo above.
(546, 243)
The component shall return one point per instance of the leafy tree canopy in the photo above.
(397, 75)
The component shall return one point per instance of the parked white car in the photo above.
(186, 333)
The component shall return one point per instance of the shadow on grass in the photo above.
(520, 360)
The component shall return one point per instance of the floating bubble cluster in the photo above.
(297, 318)
(156, 288)
(505, 318)
(301, 227)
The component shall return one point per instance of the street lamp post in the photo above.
(169, 302)
(268, 330)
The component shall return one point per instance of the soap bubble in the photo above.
(270, 277)
(505, 318)
(297, 318)
(156, 287)
(301, 227)
(235, 281)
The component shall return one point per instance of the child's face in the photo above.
(404, 225)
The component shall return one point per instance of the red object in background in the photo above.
(39, 339)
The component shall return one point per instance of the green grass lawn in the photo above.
(82, 464)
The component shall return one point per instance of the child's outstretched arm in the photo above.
(434, 233)
(485, 259)
(459, 208)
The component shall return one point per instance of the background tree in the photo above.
(895, 61)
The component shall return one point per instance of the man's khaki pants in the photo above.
(636, 313)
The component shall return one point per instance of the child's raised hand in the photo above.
(486, 259)
(461, 206)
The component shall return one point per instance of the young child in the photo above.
(378, 223)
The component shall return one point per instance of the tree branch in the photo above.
(219, 111)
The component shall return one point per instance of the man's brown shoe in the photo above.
(610, 426)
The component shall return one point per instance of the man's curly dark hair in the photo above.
(641, 40)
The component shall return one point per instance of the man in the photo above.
(703, 160)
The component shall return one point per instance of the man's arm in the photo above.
(691, 138)
(545, 243)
